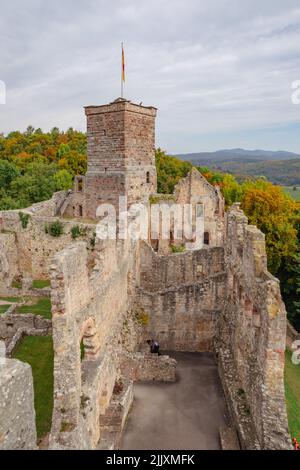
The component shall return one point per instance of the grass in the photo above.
(3, 308)
(295, 194)
(41, 283)
(38, 352)
(11, 299)
(42, 307)
(292, 394)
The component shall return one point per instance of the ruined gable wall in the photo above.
(251, 338)
(183, 295)
(195, 189)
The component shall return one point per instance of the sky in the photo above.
(220, 72)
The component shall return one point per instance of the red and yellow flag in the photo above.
(123, 64)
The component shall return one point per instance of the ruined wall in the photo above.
(195, 189)
(17, 423)
(183, 295)
(251, 338)
(9, 262)
(10, 323)
(147, 367)
(92, 308)
(27, 252)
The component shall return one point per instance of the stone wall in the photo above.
(195, 189)
(251, 337)
(26, 252)
(9, 261)
(10, 323)
(147, 367)
(17, 423)
(89, 307)
(183, 296)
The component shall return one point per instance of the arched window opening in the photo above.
(148, 177)
(206, 238)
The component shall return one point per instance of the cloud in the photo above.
(213, 69)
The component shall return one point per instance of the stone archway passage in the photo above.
(186, 414)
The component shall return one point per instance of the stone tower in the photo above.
(121, 154)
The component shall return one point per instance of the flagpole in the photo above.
(122, 70)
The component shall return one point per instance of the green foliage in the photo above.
(82, 350)
(3, 308)
(93, 240)
(11, 299)
(289, 276)
(142, 318)
(24, 218)
(275, 214)
(55, 229)
(16, 283)
(292, 395)
(177, 248)
(169, 171)
(161, 198)
(77, 231)
(41, 306)
(8, 172)
(294, 192)
(38, 352)
(41, 283)
(63, 180)
(33, 165)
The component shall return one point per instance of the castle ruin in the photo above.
(219, 298)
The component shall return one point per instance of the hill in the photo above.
(279, 167)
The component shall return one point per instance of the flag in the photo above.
(123, 65)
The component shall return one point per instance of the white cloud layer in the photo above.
(220, 72)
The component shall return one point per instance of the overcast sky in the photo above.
(219, 71)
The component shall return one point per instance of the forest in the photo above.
(35, 164)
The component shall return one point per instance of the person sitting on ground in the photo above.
(154, 346)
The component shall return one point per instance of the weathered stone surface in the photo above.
(147, 367)
(17, 423)
(250, 342)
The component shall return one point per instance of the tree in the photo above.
(8, 172)
(275, 214)
(169, 171)
(63, 180)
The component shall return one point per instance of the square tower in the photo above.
(121, 154)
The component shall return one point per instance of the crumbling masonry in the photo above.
(113, 294)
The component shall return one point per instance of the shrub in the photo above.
(93, 240)
(142, 318)
(55, 229)
(82, 350)
(16, 283)
(77, 231)
(178, 249)
(24, 218)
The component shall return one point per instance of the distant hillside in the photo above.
(205, 158)
(279, 167)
